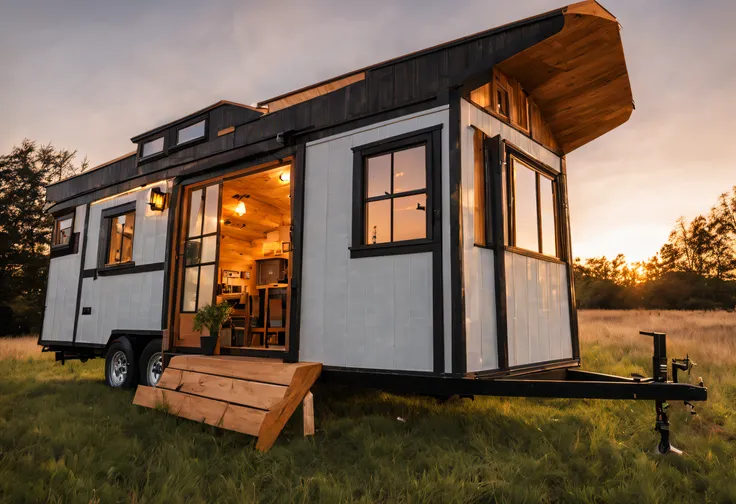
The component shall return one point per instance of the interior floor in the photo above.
(254, 253)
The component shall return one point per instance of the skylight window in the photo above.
(190, 133)
(153, 147)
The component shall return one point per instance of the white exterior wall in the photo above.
(61, 291)
(373, 313)
(127, 301)
(537, 295)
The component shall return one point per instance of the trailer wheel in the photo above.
(120, 364)
(151, 364)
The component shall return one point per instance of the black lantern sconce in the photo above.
(158, 199)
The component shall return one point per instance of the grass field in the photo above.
(65, 437)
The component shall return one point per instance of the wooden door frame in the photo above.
(177, 236)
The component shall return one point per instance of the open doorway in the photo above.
(236, 247)
(254, 253)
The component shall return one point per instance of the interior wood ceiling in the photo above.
(267, 205)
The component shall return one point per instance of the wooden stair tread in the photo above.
(248, 395)
(242, 392)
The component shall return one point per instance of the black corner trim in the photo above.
(459, 345)
(297, 238)
(494, 154)
(119, 210)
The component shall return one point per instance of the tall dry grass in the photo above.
(21, 347)
(707, 336)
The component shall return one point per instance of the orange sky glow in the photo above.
(89, 75)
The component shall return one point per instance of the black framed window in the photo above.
(532, 218)
(200, 248)
(190, 133)
(63, 229)
(120, 229)
(152, 147)
(393, 200)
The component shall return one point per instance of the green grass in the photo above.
(65, 437)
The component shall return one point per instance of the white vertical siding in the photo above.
(539, 310)
(373, 313)
(128, 301)
(61, 290)
(537, 297)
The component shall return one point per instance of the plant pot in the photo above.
(208, 344)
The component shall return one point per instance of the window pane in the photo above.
(128, 230)
(410, 169)
(210, 210)
(190, 132)
(189, 302)
(153, 147)
(209, 249)
(547, 201)
(378, 222)
(206, 285)
(525, 201)
(193, 252)
(63, 231)
(410, 217)
(196, 209)
(116, 235)
(479, 190)
(378, 175)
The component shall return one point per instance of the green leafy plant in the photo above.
(212, 317)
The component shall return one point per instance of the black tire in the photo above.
(120, 365)
(151, 360)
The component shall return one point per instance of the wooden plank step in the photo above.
(201, 409)
(252, 396)
(261, 370)
(245, 393)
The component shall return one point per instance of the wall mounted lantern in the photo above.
(157, 199)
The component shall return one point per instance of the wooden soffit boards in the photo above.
(577, 77)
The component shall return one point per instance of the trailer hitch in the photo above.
(660, 373)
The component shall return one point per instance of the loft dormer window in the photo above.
(153, 147)
(189, 133)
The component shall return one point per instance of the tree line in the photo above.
(25, 231)
(694, 270)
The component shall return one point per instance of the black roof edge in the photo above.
(168, 125)
(119, 159)
(422, 52)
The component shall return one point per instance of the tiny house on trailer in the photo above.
(404, 225)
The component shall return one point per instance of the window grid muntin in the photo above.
(392, 196)
(510, 221)
(200, 236)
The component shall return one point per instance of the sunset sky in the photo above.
(90, 74)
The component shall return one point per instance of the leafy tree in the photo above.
(25, 230)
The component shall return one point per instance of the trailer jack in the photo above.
(660, 374)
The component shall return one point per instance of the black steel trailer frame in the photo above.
(568, 383)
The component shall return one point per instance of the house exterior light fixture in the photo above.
(240, 209)
(157, 199)
(285, 177)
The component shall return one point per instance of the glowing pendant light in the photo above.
(240, 209)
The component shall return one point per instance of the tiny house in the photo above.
(406, 223)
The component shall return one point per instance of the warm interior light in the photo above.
(240, 209)
(157, 199)
(285, 177)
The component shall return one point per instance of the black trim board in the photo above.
(170, 221)
(297, 240)
(123, 269)
(457, 291)
(564, 209)
(494, 166)
(87, 209)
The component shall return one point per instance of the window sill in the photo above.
(114, 269)
(65, 248)
(388, 249)
(152, 157)
(534, 255)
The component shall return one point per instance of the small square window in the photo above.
(190, 133)
(63, 229)
(502, 101)
(153, 147)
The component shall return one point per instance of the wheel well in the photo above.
(138, 340)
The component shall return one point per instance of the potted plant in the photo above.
(212, 317)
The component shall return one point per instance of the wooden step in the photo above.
(248, 395)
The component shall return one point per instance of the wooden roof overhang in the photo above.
(577, 77)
